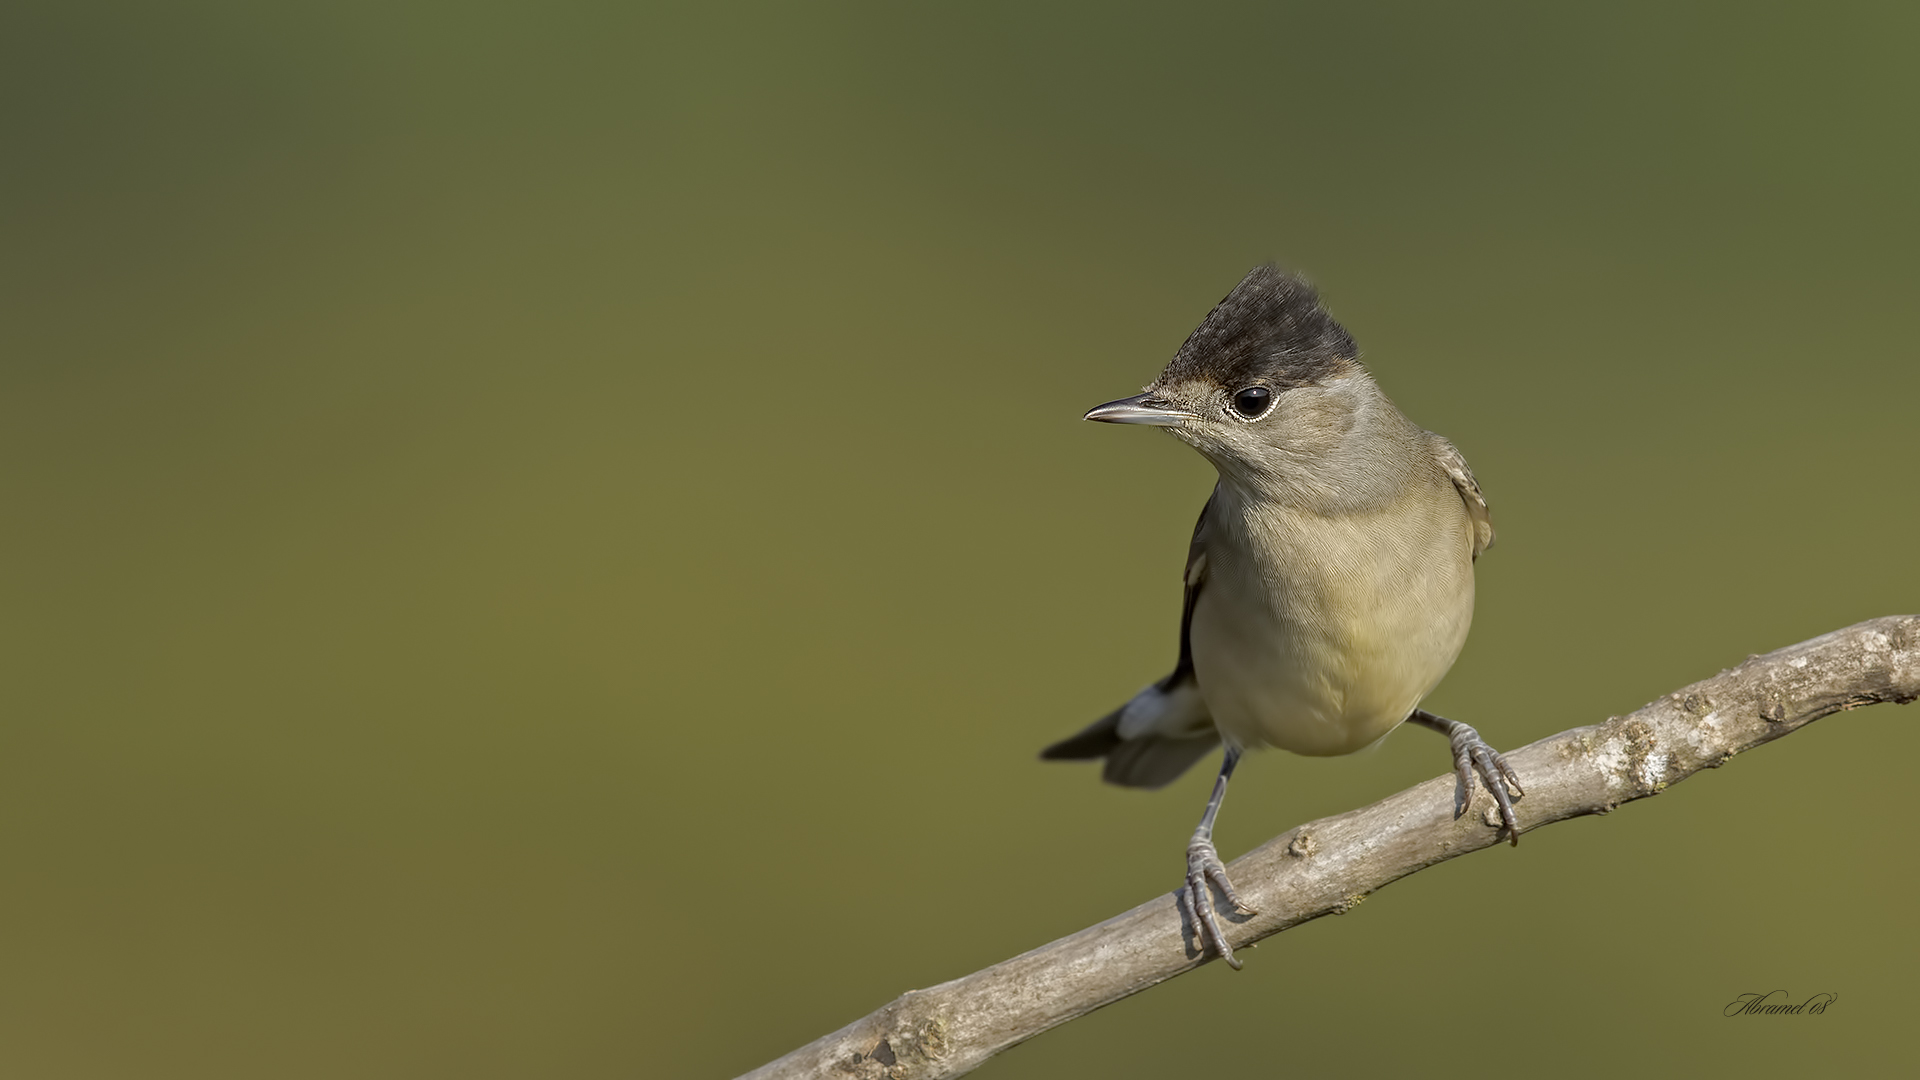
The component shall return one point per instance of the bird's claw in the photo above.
(1472, 755)
(1196, 901)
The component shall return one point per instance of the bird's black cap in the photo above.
(1271, 330)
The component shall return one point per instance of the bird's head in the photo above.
(1266, 385)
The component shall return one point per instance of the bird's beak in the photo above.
(1140, 409)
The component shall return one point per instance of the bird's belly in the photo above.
(1323, 685)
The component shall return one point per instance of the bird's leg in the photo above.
(1203, 866)
(1471, 754)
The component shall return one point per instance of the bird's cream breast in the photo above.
(1326, 635)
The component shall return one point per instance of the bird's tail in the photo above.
(1131, 738)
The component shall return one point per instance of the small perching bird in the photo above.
(1329, 584)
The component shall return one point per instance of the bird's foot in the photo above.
(1196, 902)
(1471, 755)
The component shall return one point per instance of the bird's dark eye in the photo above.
(1253, 401)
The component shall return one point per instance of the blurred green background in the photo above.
(546, 537)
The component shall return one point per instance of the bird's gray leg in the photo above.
(1471, 754)
(1203, 866)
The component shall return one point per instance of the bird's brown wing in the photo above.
(1451, 460)
(1194, 576)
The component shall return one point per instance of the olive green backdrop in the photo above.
(543, 539)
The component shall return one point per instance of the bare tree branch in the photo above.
(1329, 865)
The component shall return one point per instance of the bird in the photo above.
(1329, 581)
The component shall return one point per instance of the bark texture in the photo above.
(1327, 866)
